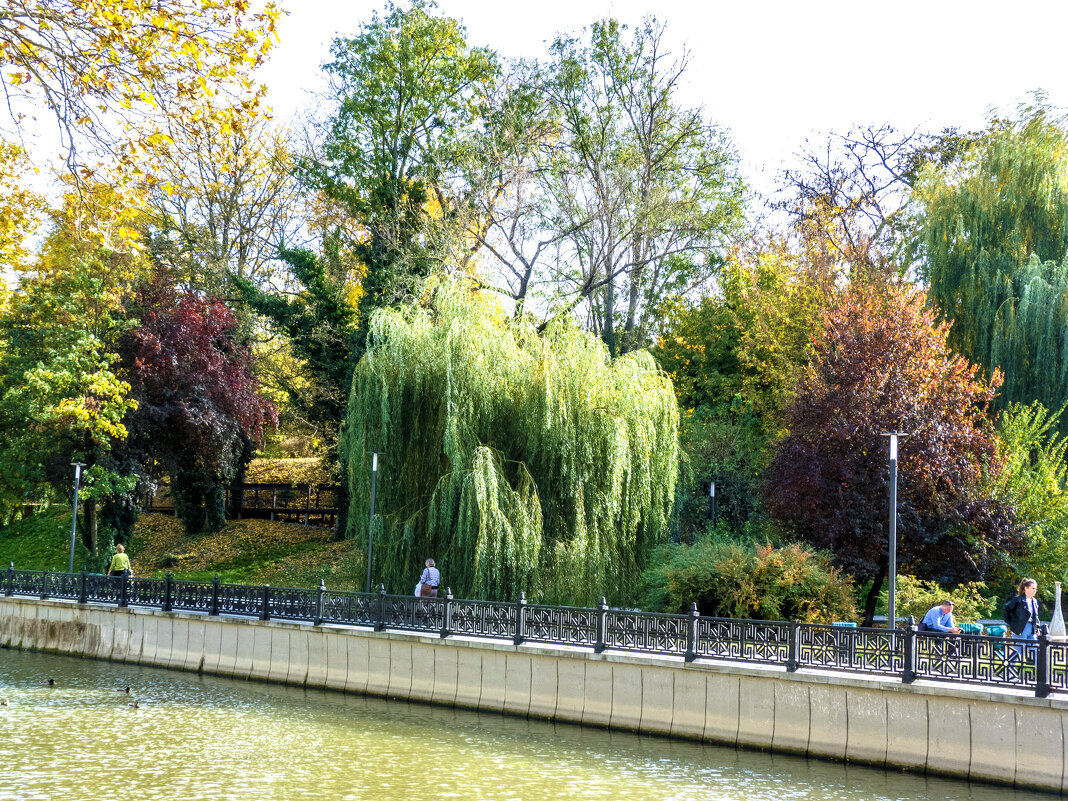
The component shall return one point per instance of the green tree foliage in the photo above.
(320, 324)
(749, 581)
(994, 237)
(643, 190)
(734, 358)
(915, 597)
(727, 448)
(61, 394)
(82, 378)
(408, 90)
(751, 339)
(594, 187)
(64, 323)
(520, 461)
(1031, 480)
(882, 364)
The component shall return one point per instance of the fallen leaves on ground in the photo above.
(252, 551)
(157, 534)
(286, 471)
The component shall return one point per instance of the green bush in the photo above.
(916, 596)
(749, 581)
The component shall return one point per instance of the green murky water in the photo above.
(200, 737)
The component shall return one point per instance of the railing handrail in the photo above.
(273, 498)
(279, 484)
(905, 653)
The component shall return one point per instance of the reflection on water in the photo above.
(201, 737)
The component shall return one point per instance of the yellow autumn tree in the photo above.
(20, 207)
(110, 72)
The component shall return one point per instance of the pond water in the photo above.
(202, 737)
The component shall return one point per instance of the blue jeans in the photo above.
(1028, 633)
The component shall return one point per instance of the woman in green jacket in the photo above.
(120, 563)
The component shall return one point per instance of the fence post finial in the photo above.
(520, 619)
(602, 626)
(691, 633)
(908, 668)
(320, 603)
(446, 613)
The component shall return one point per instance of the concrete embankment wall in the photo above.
(1001, 736)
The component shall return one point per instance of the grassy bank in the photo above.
(245, 551)
(41, 542)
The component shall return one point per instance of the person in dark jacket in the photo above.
(1022, 611)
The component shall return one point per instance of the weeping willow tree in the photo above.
(995, 236)
(519, 460)
(1031, 476)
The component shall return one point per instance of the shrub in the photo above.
(749, 581)
(916, 596)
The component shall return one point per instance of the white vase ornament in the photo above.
(1056, 624)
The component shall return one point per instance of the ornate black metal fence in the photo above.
(1040, 665)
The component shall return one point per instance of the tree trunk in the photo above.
(89, 531)
(638, 267)
(609, 330)
(341, 497)
(873, 596)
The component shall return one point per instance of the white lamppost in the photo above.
(891, 612)
(371, 522)
(74, 517)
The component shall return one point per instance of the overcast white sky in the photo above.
(773, 73)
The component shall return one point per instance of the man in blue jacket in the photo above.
(940, 618)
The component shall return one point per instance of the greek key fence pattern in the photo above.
(1039, 665)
